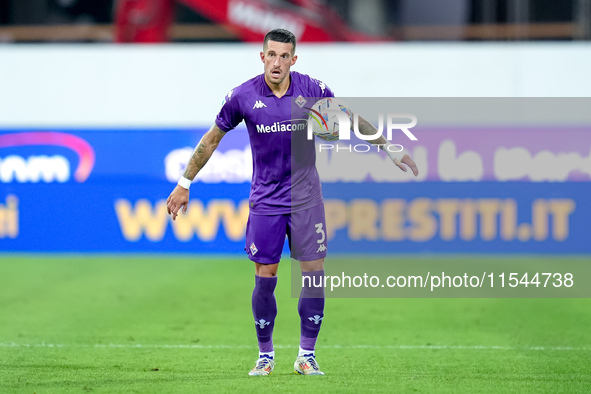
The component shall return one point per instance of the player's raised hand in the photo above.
(409, 162)
(179, 198)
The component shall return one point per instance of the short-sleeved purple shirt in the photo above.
(284, 177)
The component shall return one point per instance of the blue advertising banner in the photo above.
(106, 190)
(458, 217)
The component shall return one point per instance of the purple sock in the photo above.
(264, 310)
(311, 308)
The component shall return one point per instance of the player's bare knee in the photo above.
(266, 270)
(313, 265)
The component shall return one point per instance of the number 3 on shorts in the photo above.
(320, 231)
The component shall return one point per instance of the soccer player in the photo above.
(285, 196)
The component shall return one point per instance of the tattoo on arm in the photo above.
(203, 152)
(367, 128)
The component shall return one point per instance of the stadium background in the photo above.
(139, 111)
(93, 137)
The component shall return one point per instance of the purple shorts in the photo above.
(305, 230)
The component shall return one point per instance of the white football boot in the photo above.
(264, 366)
(307, 365)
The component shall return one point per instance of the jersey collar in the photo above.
(267, 90)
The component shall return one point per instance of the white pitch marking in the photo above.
(378, 347)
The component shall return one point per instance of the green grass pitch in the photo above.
(158, 324)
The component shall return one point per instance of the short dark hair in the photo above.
(280, 35)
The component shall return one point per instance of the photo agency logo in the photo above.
(331, 120)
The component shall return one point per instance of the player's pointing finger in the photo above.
(400, 165)
(409, 162)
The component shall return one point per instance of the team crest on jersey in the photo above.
(253, 249)
(300, 101)
(259, 104)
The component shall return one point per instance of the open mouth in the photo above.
(276, 73)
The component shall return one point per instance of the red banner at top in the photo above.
(250, 20)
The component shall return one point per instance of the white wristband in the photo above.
(184, 182)
(394, 151)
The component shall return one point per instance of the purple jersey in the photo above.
(284, 175)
